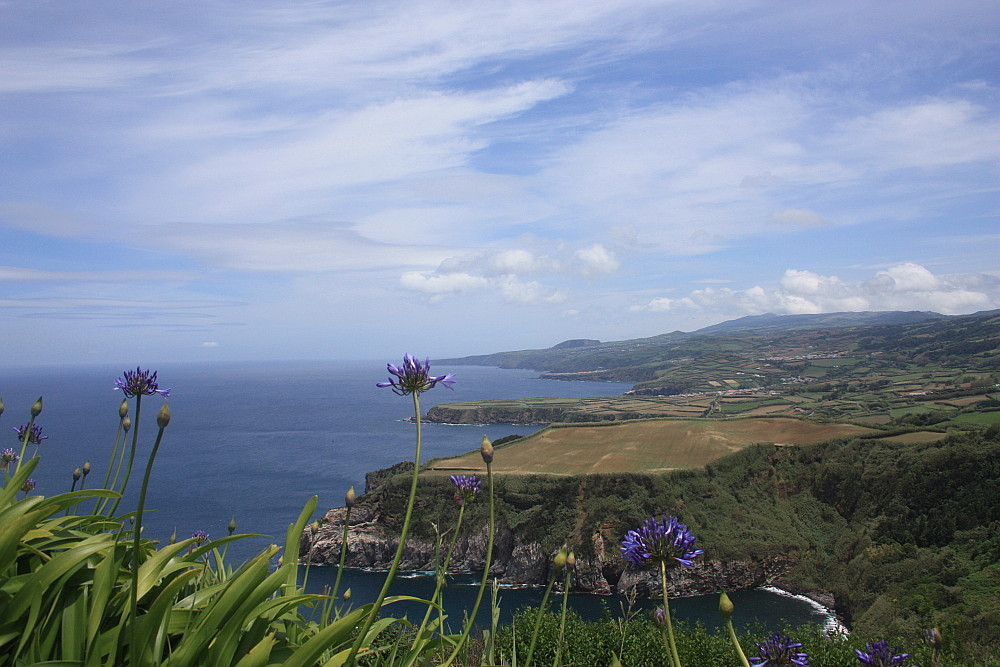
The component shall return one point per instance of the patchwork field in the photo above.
(642, 446)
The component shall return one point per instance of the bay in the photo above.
(253, 441)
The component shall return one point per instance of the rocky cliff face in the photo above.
(371, 544)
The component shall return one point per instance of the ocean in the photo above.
(253, 441)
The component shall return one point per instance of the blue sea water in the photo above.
(253, 441)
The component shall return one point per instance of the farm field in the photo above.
(642, 446)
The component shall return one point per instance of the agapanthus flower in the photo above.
(29, 485)
(200, 536)
(35, 436)
(662, 539)
(467, 487)
(414, 377)
(778, 650)
(7, 457)
(880, 654)
(140, 383)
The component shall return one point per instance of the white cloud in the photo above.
(530, 292)
(906, 286)
(209, 343)
(441, 283)
(796, 217)
(597, 260)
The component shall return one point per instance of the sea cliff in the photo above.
(371, 544)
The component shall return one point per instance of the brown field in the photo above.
(643, 446)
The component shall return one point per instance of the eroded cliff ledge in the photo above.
(372, 545)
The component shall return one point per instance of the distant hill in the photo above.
(671, 363)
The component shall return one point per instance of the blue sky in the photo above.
(283, 180)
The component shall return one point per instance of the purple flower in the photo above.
(659, 540)
(414, 377)
(7, 457)
(879, 654)
(35, 436)
(778, 650)
(467, 487)
(200, 536)
(29, 485)
(140, 383)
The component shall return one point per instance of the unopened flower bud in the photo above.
(76, 475)
(232, 526)
(1, 406)
(127, 423)
(86, 468)
(615, 662)
(351, 498)
(173, 537)
(571, 560)
(486, 450)
(933, 638)
(559, 562)
(123, 409)
(36, 409)
(314, 527)
(347, 595)
(163, 418)
(660, 617)
(725, 606)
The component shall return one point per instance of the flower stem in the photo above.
(562, 620)
(24, 443)
(343, 554)
(131, 455)
(486, 572)
(377, 606)
(136, 551)
(674, 658)
(736, 643)
(538, 618)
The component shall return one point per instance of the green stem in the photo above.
(538, 618)
(136, 552)
(562, 620)
(343, 554)
(736, 643)
(486, 572)
(131, 455)
(674, 658)
(24, 444)
(101, 502)
(436, 598)
(373, 614)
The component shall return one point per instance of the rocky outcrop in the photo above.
(372, 545)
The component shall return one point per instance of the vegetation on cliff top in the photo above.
(904, 535)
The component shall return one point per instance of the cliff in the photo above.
(372, 545)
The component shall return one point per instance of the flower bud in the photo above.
(173, 537)
(933, 638)
(559, 562)
(314, 527)
(163, 418)
(347, 595)
(1, 406)
(123, 409)
(486, 450)
(232, 526)
(127, 423)
(725, 606)
(36, 409)
(571, 560)
(350, 498)
(615, 662)
(86, 468)
(76, 475)
(660, 617)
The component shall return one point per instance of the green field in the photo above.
(643, 446)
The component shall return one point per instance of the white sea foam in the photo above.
(831, 624)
